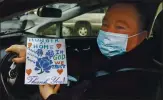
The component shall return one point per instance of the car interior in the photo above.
(84, 58)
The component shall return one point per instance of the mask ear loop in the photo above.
(135, 34)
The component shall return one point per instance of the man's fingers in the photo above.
(9, 49)
(56, 88)
(41, 87)
(47, 86)
(19, 60)
(13, 48)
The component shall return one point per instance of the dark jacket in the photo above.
(128, 85)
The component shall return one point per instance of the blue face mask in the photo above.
(112, 44)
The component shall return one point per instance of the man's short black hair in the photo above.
(145, 14)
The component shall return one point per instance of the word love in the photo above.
(52, 80)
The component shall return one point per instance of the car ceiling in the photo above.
(11, 7)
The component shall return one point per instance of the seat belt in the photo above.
(159, 9)
(103, 73)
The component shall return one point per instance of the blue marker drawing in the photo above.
(39, 52)
(44, 65)
(50, 54)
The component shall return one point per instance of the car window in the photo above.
(10, 25)
(103, 10)
(18, 23)
(48, 31)
(87, 24)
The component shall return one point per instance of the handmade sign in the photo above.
(46, 61)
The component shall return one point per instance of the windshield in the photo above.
(74, 21)
(62, 6)
(29, 19)
(86, 24)
(11, 25)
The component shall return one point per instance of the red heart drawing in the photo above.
(28, 71)
(59, 46)
(29, 45)
(60, 71)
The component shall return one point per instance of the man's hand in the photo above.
(20, 50)
(47, 90)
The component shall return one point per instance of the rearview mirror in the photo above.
(49, 12)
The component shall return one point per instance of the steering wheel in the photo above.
(12, 78)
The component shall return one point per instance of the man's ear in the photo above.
(143, 36)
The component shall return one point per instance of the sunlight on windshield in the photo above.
(62, 6)
(30, 18)
(85, 25)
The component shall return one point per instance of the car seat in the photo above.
(158, 58)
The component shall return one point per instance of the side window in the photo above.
(85, 25)
(102, 10)
(51, 30)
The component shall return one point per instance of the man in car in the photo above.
(123, 30)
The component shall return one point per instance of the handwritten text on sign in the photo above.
(46, 61)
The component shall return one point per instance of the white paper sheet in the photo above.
(46, 61)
